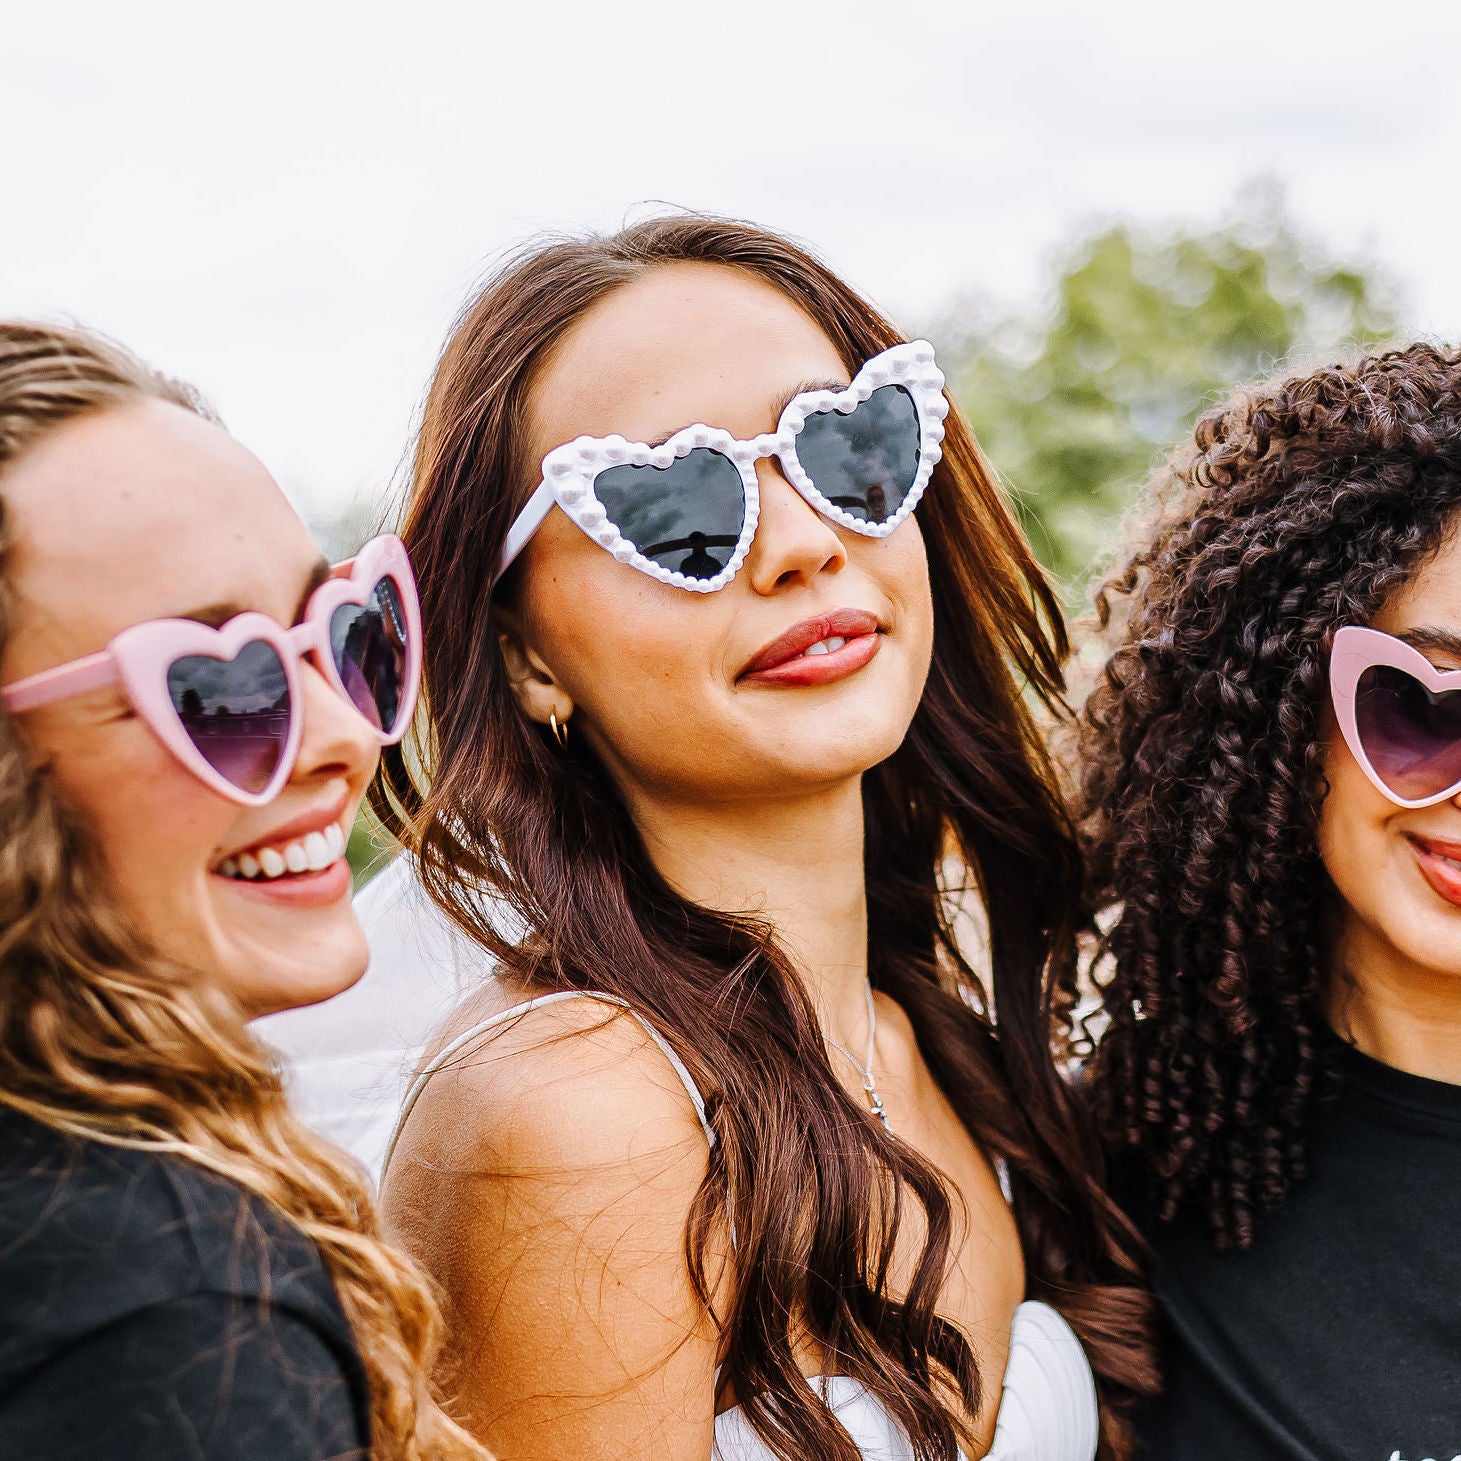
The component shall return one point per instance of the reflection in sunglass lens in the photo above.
(236, 712)
(686, 517)
(864, 462)
(1411, 736)
(368, 645)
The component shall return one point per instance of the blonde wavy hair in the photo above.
(103, 1038)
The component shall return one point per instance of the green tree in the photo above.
(1141, 330)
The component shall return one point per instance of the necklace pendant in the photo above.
(875, 1105)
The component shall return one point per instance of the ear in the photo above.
(533, 681)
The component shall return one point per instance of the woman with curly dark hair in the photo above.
(1272, 804)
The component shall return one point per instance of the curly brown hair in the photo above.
(1299, 506)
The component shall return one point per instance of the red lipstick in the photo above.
(1440, 865)
(785, 662)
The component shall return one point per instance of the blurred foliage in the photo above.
(1141, 329)
(368, 850)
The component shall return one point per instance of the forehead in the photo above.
(156, 512)
(681, 344)
(1432, 595)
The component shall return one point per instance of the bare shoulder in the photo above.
(544, 1179)
(566, 1085)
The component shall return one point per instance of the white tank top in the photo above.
(1046, 1413)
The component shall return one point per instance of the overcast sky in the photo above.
(287, 202)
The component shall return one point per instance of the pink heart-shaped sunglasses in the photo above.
(1399, 715)
(226, 701)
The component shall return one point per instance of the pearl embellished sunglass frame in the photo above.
(571, 471)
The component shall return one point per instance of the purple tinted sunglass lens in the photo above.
(368, 645)
(236, 712)
(1411, 735)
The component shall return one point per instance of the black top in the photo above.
(1337, 1337)
(150, 1311)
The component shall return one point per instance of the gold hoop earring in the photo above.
(560, 729)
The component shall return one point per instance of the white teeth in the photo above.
(312, 853)
(824, 646)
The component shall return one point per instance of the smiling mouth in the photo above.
(1440, 864)
(822, 646)
(300, 856)
(812, 639)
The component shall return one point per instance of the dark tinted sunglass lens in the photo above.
(1412, 737)
(687, 516)
(368, 644)
(864, 462)
(236, 712)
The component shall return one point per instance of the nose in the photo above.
(335, 740)
(793, 541)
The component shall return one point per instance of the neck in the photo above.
(1397, 1011)
(798, 865)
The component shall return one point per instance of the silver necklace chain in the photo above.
(864, 1068)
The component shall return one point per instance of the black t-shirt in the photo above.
(1337, 1337)
(150, 1311)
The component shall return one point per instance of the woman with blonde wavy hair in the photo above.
(193, 704)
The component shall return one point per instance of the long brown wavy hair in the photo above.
(103, 1038)
(1297, 507)
(496, 813)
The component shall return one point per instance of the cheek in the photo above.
(637, 657)
(1370, 861)
(897, 570)
(1351, 825)
(158, 828)
(906, 582)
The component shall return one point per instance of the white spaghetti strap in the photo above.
(445, 1054)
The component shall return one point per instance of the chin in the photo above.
(257, 999)
(265, 986)
(1433, 948)
(838, 766)
(863, 747)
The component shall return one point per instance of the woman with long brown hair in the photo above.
(193, 704)
(1272, 799)
(725, 743)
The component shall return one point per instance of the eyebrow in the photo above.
(1431, 639)
(775, 408)
(217, 614)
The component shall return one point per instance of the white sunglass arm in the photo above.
(528, 521)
